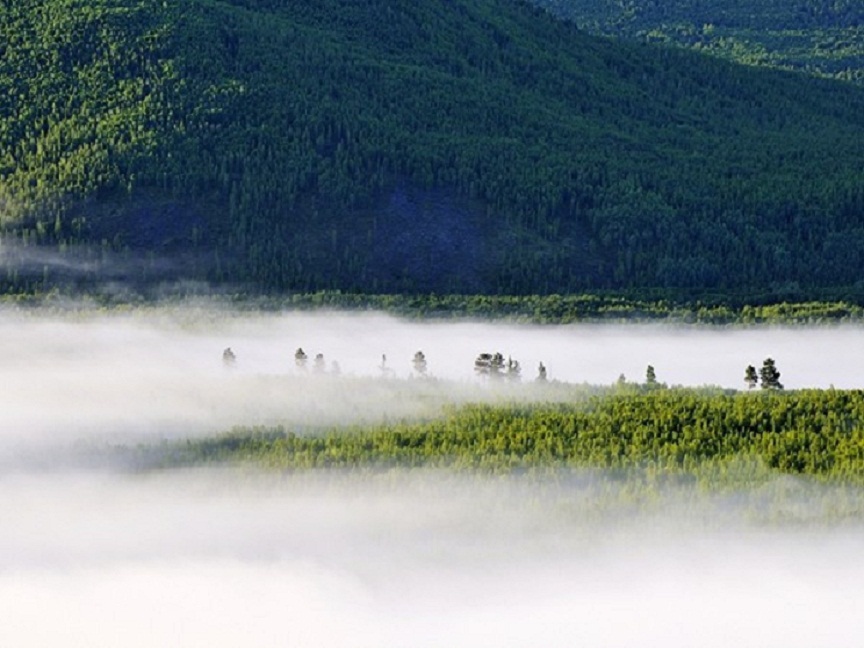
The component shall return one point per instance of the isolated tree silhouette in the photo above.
(650, 376)
(751, 377)
(419, 363)
(769, 375)
(385, 370)
(228, 357)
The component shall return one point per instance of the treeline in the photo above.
(819, 37)
(566, 309)
(699, 433)
(536, 309)
(478, 146)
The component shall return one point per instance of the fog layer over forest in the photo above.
(107, 556)
(160, 373)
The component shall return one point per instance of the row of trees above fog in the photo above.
(413, 146)
(493, 366)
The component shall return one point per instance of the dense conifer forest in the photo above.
(715, 437)
(473, 146)
(820, 37)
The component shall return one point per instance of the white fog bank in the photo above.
(161, 372)
(95, 558)
(421, 559)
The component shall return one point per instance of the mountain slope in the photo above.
(821, 37)
(395, 145)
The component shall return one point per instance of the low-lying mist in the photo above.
(420, 559)
(159, 372)
(95, 557)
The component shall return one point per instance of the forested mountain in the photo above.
(413, 145)
(821, 37)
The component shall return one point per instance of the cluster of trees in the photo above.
(319, 364)
(487, 365)
(767, 378)
(414, 147)
(494, 366)
(816, 433)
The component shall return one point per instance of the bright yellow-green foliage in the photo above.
(697, 432)
(87, 91)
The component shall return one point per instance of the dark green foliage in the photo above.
(538, 309)
(92, 101)
(817, 433)
(563, 309)
(751, 377)
(494, 366)
(815, 36)
(489, 365)
(650, 376)
(473, 146)
(769, 377)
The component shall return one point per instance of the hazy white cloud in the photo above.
(204, 558)
(99, 264)
(420, 559)
(159, 372)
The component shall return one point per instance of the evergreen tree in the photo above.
(489, 364)
(419, 363)
(498, 365)
(769, 375)
(751, 377)
(300, 358)
(541, 373)
(228, 357)
(483, 364)
(650, 376)
(385, 370)
(320, 364)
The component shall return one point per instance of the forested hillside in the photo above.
(821, 37)
(476, 146)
